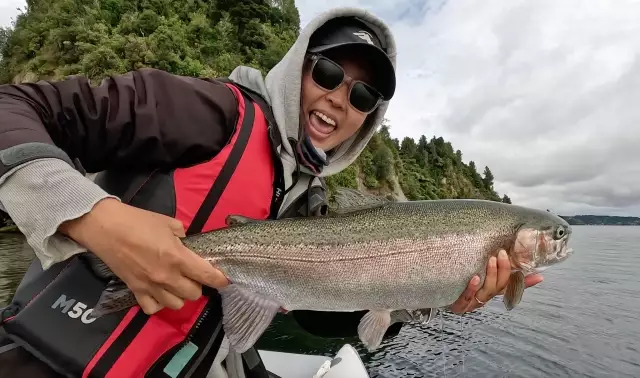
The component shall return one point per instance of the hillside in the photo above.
(56, 38)
(601, 220)
(426, 169)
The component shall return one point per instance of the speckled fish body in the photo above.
(391, 256)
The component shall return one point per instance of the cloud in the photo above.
(8, 11)
(543, 92)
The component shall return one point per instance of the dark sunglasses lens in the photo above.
(327, 74)
(363, 97)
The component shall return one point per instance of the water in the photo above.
(583, 320)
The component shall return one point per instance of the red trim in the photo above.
(164, 330)
(107, 344)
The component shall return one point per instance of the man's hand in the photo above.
(498, 272)
(143, 249)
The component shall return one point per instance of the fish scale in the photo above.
(375, 255)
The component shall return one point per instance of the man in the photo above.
(178, 154)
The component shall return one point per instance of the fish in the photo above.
(396, 260)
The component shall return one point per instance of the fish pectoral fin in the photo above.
(514, 291)
(425, 315)
(116, 297)
(400, 316)
(373, 326)
(237, 220)
(422, 316)
(245, 316)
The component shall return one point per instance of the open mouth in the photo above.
(321, 124)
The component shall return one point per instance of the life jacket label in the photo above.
(180, 360)
(74, 309)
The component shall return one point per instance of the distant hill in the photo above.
(604, 220)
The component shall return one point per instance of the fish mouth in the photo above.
(559, 257)
(564, 254)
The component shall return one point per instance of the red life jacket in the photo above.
(244, 178)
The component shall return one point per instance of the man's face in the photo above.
(320, 106)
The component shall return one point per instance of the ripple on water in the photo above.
(15, 257)
(582, 321)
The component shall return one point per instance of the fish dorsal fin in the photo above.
(346, 200)
(238, 220)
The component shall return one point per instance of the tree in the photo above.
(506, 199)
(488, 178)
(5, 33)
(57, 38)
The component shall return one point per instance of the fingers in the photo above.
(185, 288)
(149, 305)
(176, 227)
(490, 283)
(498, 272)
(504, 272)
(167, 299)
(461, 304)
(200, 270)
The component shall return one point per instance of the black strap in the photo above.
(276, 141)
(121, 343)
(212, 198)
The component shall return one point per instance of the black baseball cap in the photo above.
(350, 31)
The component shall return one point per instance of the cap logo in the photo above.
(364, 35)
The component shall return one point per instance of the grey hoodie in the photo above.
(42, 194)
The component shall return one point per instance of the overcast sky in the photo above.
(546, 92)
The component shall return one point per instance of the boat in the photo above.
(345, 364)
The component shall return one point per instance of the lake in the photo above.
(583, 320)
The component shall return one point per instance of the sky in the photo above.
(543, 92)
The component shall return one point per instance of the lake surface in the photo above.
(583, 320)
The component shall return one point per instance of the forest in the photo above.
(53, 39)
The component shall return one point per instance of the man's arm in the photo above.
(140, 120)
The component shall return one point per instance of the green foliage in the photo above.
(426, 169)
(56, 38)
(506, 199)
(601, 220)
(53, 39)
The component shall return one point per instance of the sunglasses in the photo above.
(329, 75)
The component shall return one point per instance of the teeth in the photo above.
(325, 118)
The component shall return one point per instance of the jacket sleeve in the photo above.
(144, 119)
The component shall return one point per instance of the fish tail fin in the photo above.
(115, 297)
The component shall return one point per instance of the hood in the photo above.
(281, 89)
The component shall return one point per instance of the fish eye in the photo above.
(560, 232)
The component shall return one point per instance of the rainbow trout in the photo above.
(378, 255)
